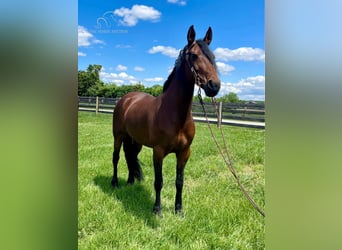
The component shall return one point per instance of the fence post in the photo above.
(97, 104)
(219, 116)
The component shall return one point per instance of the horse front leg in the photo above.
(182, 158)
(158, 156)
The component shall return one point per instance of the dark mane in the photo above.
(169, 79)
(175, 68)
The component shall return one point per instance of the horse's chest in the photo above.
(185, 136)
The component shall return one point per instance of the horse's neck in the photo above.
(179, 95)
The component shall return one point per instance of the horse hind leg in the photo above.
(115, 160)
(138, 173)
(132, 149)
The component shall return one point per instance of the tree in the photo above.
(89, 81)
(231, 97)
(109, 90)
(89, 84)
(139, 87)
(155, 90)
(84, 82)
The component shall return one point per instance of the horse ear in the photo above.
(208, 36)
(191, 35)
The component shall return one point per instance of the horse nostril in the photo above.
(212, 85)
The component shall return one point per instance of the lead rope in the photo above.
(227, 159)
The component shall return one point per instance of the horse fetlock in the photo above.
(115, 183)
(179, 212)
(157, 210)
(130, 180)
(138, 174)
(178, 207)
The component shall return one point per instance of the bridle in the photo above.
(191, 66)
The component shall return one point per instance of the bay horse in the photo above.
(165, 123)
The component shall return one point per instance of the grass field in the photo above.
(216, 213)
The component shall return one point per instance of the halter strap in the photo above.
(191, 66)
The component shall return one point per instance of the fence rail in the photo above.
(235, 114)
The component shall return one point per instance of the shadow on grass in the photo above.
(135, 198)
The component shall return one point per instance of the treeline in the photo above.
(89, 84)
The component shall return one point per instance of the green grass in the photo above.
(216, 213)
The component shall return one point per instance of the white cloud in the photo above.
(226, 88)
(154, 79)
(240, 54)
(123, 46)
(139, 69)
(132, 16)
(85, 38)
(165, 50)
(124, 75)
(121, 78)
(97, 41)
(250, 88)
(180, 2)
(121, 68)
(224, 69)
(256, 80)
(82, 54)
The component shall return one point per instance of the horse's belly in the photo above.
(138, 127)
(140, 135)
(137, 116)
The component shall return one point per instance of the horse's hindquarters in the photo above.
(134, 116)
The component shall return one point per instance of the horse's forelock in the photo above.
(207, 52)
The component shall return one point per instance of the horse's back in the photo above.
(131, 101)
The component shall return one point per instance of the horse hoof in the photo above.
(138, 174)
(130, 182)
(115, 184)
(179, 212)
(157, 211)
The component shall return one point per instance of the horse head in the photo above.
(201, 62)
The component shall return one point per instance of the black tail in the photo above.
(132, 149)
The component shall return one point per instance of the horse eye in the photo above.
(194, 56)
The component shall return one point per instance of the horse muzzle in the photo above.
(211, 88)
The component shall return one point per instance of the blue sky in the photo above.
(139, 41)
